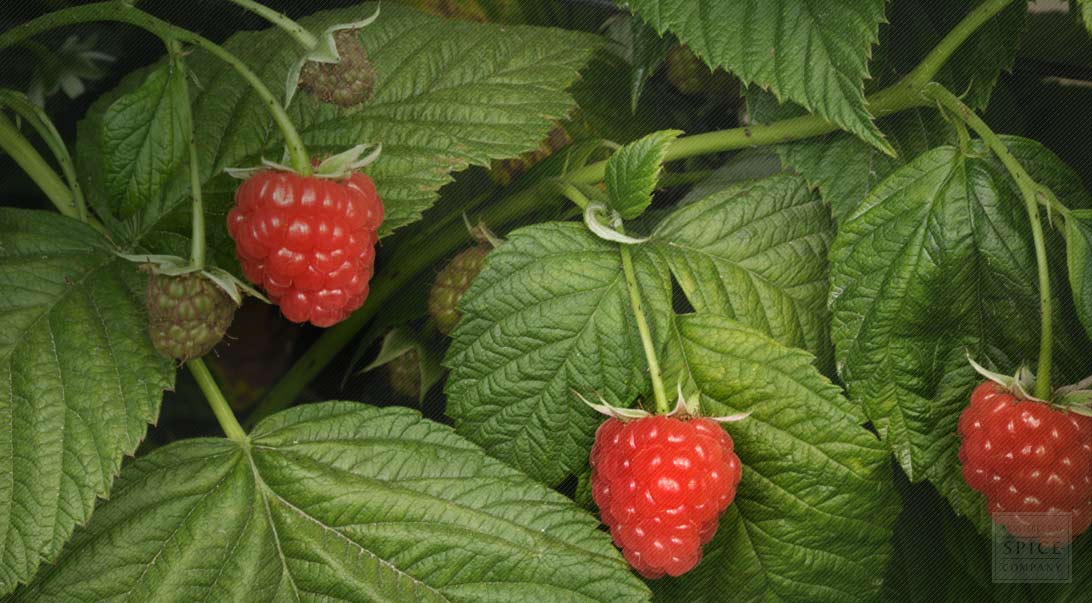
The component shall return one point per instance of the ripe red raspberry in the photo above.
(309, 242)
(1025, 456)
(661, 484)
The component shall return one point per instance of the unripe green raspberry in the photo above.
(686, 72)
(346, 83)
(503, 172)
(187, 314)
(404, 372)
(451, 283)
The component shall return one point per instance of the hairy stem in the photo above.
(216, 400)
(905, 94)
(123, 12)
(931, 64)
(37, 118)
(197, 205)
(1030, 191)
(27, 157)
(298, 33)
(662, 406)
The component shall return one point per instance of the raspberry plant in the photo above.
(827, 253)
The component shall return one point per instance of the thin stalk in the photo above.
(216, 400)
(124, 13)
(905, 94)
(662, 406)
(27, 157)
(197, 205)
(37, 118)
(1030, 191)
(298, 33)
(578, 198)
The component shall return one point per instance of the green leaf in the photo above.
(143, 142)
(1085, 7)
(81, 380)
(337, 501)
(756, 251)
(449, 94)
(1048, 169)
(641, 47)
(936, 263)
(549, 314)
(633, 170)
(1078, 237)
(844, 169)
(812, 52)
(813, 517)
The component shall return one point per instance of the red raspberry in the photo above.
(309, 242)
(1025, 456)
(661, 484)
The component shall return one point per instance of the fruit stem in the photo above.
(662, 406)
(904, 94)
(123, 12)
(577, 197)
(298, 33)
(197, 206)
(224, 416)
(27, 157)
(1030, 191)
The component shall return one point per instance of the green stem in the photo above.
(197, 206)
(37, 118)
(216, 400)
(122, 12)
(902, 95)
(298, 33)
(1030, 191)
(31, 162)
(575, 195)
(662, 406)
(931, 64)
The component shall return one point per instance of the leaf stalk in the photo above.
(232, 429)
